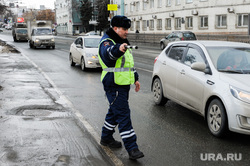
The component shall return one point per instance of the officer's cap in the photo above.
(121, 21)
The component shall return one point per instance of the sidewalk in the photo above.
(38, 125)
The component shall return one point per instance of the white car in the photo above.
(84, 51)
(208, 78)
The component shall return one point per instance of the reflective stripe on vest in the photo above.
(123, 70)
(112, 69)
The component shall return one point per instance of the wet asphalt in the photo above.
(38, 125)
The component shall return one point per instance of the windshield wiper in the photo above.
(231, 71)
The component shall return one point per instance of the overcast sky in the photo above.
(36, 3)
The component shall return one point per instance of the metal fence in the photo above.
(155, 38)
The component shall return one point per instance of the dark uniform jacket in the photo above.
(109, 53)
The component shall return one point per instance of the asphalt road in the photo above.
(168, 135)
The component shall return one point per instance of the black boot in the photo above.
(135, 154)
(111, 144)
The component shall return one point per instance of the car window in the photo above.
(225, 58)
(189, 35)
(175, 35)
(193, 55)
(78, 41)
(170, 36)
(21, 31)
(91, 42)
(177, 52)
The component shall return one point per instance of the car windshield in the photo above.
(43, 31)
(229, 59)
(189, 35)
(24, 31)
(91, 42)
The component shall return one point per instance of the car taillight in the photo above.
(156, 59)
(182, 38)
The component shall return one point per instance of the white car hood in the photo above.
(91, 50)
(241, 81)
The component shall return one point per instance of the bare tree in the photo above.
(86, 11)
(3, 9)
(103, 14)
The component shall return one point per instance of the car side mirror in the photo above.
(199, 66)
(79, 46)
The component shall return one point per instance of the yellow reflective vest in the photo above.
(123, 70)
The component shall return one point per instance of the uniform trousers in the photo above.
(119, 114)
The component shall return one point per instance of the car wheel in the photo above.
(14, 39)
(72, 63)
(162, 45)
(31, 46)
(217, 118)
(83, 64)
(159, 98)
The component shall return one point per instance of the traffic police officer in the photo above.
(117, 76)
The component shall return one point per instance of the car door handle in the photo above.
(164, 62)
(182, 72)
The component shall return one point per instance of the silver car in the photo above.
(84, 51)
(211, 78)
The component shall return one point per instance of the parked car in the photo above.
(201, 76)
(176, 36)
(84, 51)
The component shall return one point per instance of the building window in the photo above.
(159, 24)
(132, 26)
(137, 6)
(189, 22)
(151, 3)
(168, 23)
(178, 23)
(177, 2)
(144, 25)
(137, 25)
(151, 24)
(221, 21)
(131, 7)
(242, 20)
(145, 5)
(159, 3)
(168, 2)
(126, 9)
(204, 22)
(189, 1)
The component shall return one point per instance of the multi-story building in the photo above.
(68, 16)
(200, 16)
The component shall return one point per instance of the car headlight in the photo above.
(90, 55)
(37, 40)
(52, 39)
(240, 94)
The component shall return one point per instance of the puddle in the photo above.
(45, 113)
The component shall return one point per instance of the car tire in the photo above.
(14, 38)
(83, 64)
(217, 118)
(31, 45)
(72, 63)
(162, 46)
(159, 98)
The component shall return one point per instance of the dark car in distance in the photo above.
(177, 36)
